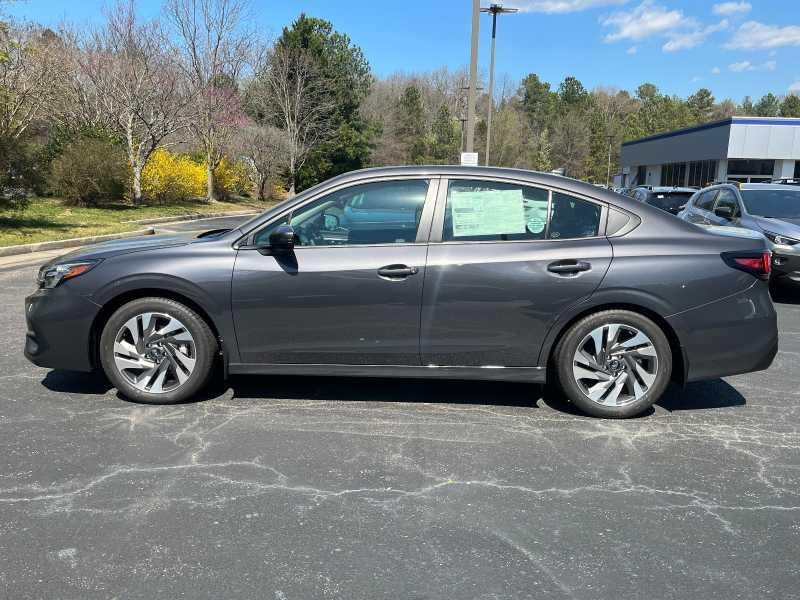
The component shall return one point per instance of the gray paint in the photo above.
(470, 307)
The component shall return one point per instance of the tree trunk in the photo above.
(210, 187)
(137, 184)
(262, 188)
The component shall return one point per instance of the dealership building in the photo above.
(745, 149)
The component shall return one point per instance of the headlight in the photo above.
(781, 240)
(51, 275)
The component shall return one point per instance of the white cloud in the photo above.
(696, 78)
(560, 6)
(795, 88)
(753, 35)
(644, 21)
(685, 40)
(632, 50)
(746, 65)
(732, 8)
(716, 71)
(650, 19)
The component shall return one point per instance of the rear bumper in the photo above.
(59, 325)
(786, 266)
(737, 334)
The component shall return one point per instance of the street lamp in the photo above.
(494, 10)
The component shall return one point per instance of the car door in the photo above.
(350, 292)
(700, 210)
(505, 260)
(726, 210)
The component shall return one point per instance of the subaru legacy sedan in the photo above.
(448, 272)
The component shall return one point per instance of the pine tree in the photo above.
(445, 138)
(410, 126)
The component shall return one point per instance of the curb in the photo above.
(192, 217)
(72, 243)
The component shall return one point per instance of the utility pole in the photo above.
(473, 76)
(494, 10)
(608, 173)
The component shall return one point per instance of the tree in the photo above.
(409, 126)
(290, 93)
(134, 86)
(445, 137)
(541, 155)
(537, 101)
(265, 149)
(214, 48)
(701, 105)
(572, 94)
(790, 107)
(768, 106)
(347, 78)
(747, 108)
(571, 144)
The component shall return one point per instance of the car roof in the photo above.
(763, 186)
(667, 189)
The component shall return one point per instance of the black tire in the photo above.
(205, 350)
(564, 354)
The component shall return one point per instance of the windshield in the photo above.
(778, 204)
(669, 200)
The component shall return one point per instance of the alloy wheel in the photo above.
(615, 364)
(154, 352)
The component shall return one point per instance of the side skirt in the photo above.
(528, 374)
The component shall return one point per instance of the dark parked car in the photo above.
(773, 210)
(500, 274)
(669, 199)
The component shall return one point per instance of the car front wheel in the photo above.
(614, 363)
(157, 350)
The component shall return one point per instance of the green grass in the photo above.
(48, 219)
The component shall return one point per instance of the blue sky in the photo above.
(735, 48)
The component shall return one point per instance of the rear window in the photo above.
(669, 200)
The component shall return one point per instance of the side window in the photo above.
(726, 199)
(385, 212)
(573, 218)
(705, 201)
(492, 211)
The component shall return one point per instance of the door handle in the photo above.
(397, 271)
(569, 267)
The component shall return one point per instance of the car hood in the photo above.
(788, 227)
(125, 246)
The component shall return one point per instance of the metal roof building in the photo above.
(746, 149)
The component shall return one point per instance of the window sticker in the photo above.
(536, 215)
(494, 212)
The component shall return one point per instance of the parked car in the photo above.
(787, 181)
(772, 210)
(505, 275)
(669, 199)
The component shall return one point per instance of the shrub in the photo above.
(90, 171)
(169, 178)
(17, 174)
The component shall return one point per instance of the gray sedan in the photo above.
(773, 210)
(449, 272)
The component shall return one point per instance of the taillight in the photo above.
(758, 264)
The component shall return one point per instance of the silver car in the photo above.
(772, 210)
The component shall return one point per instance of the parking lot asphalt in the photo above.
(303, 488)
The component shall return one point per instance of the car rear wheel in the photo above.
(157, 350)
(614, 364)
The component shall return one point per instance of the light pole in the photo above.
(494, 10)
(473, 76)
(608, 173)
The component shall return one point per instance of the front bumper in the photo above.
(59, 329)
(737, 334)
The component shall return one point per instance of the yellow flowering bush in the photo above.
(169, 178)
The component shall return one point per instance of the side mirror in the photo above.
(724, 212)
(281, 241)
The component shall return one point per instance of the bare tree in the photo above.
(215, 49)
(128, 83)
(28, 65)
(290, 92)
(265, 149)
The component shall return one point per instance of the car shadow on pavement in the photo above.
(784, 293)
(695, 396)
